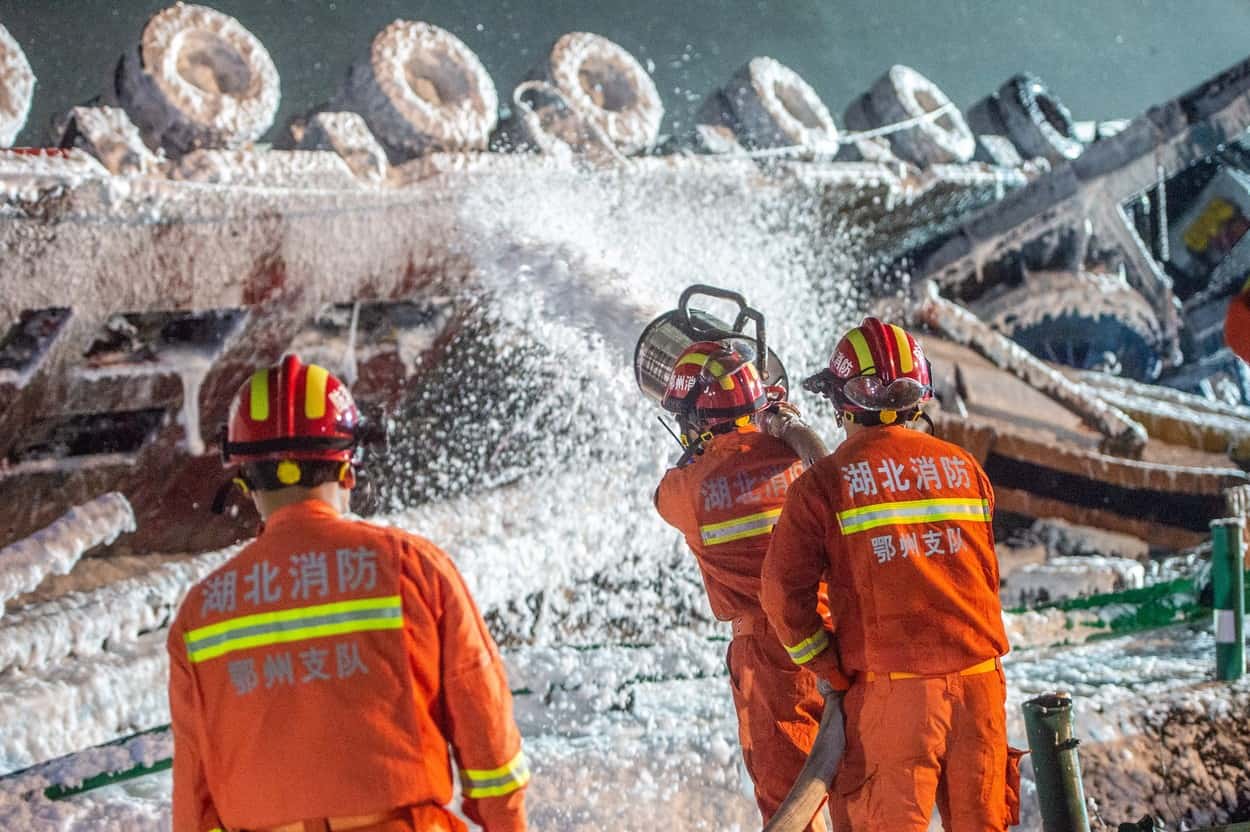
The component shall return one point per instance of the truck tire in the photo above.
(1036, 121)
(606, 88)
(1080, 320)
(983, 119)
(422, 89)
(902, 94)
(17, 87)
(198, 79)
(715, 128)
(774, 107)
(858, 117)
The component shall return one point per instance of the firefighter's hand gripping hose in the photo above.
(812, 785)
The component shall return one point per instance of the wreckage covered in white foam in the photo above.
(486, 304)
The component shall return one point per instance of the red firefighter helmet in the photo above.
(715, 383)
(876, 367)
(291, 411)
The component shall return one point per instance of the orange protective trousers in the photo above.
(424, 818)
(914, 742)
(779, 713)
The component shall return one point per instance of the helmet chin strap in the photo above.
(223, 492)
(881, 417)
(288, 473)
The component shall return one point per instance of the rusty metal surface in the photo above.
(1089, 192)
(1045, 463)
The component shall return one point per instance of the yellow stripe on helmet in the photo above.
(696, 358)
(259, 395)
(315, 379)
(862, 354)
(904, 348)
(717, 371)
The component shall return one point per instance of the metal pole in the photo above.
(1056, 766)
(1228, 583)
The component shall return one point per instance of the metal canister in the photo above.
(664, 339)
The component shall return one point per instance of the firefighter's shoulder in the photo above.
(820, 477)
(194, 604)
(418, 555)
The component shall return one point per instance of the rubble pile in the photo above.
(1188, 762)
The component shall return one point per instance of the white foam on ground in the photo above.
(82, 624)
(1072, 577)
(569, 562)
(55, 549)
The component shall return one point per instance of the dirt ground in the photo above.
(1187, 763)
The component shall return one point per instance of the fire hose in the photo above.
(812, 785)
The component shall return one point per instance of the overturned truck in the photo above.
(1114, 264)
(156, 254)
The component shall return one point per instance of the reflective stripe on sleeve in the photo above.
(284, 626)
(913, 512)
(752, 525)
(495, 782)
(809, 648)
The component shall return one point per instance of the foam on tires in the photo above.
(423, 89)
(774, 107)
(902, 94)
(1037, 122)
(606, 87)
(17, 87)
(198, 79)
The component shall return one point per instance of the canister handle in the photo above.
(745, 313)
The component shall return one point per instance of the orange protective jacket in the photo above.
(322, 672)
(901, 521)
(726, 503)
(1237, 323)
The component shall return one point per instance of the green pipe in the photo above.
(1056, 765)
(112, 778)
(58, 791)
(1228, 583)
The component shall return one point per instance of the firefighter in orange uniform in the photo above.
(317, 678)
(901, 521)
(1237, 323)
(725, 496)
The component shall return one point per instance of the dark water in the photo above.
(1105, 58)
